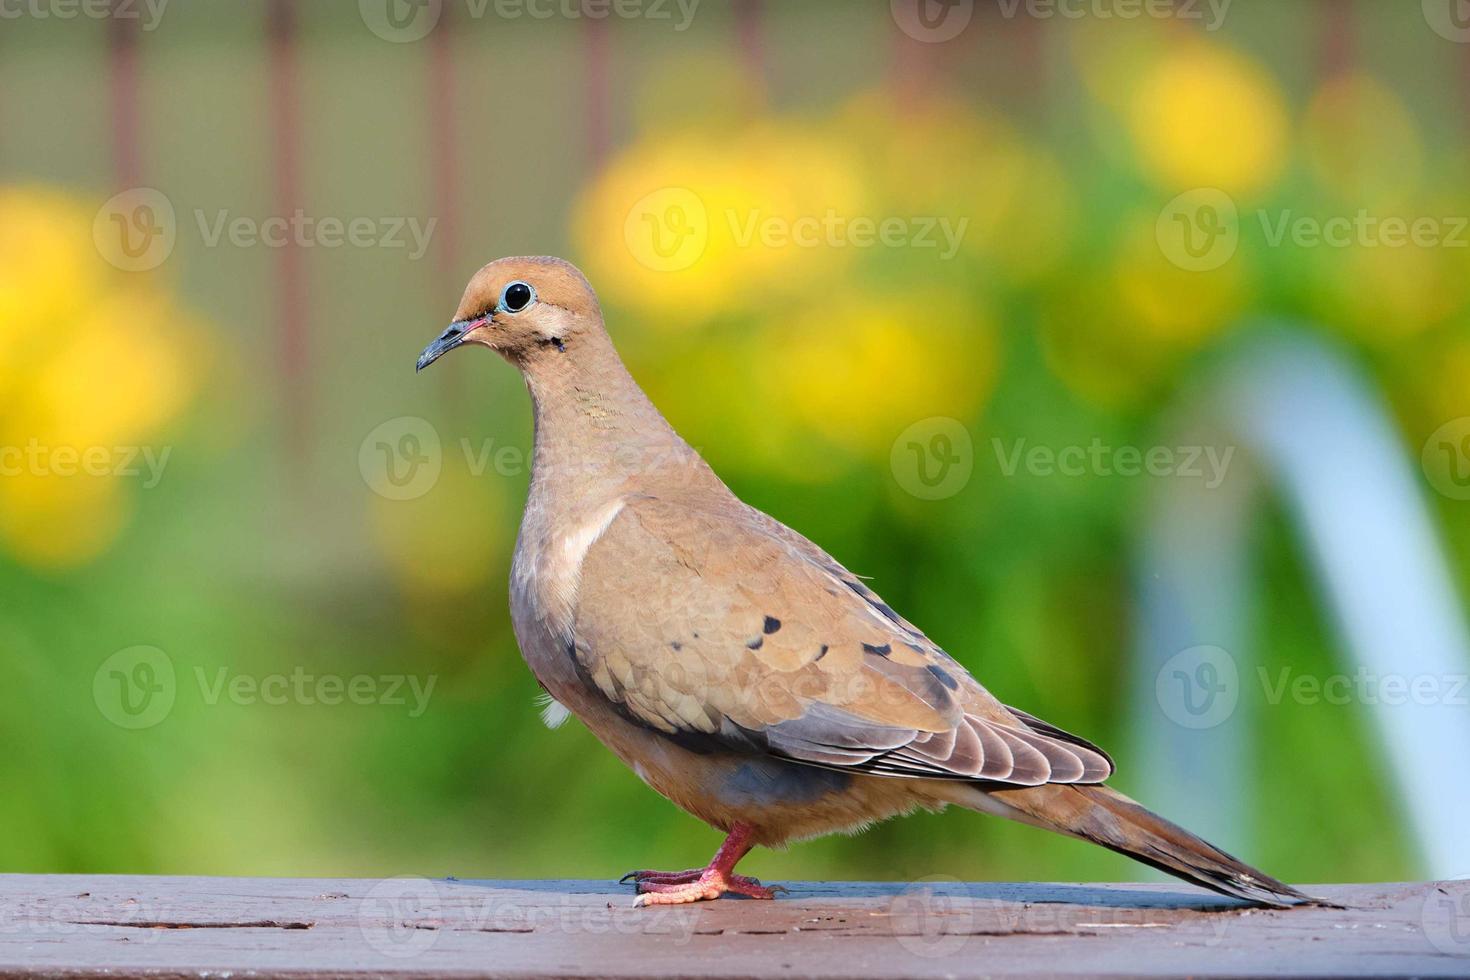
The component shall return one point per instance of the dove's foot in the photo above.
(708, 883)
(699, 884)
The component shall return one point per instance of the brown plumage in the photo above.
(736, 667)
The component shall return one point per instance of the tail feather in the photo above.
(1103, 816)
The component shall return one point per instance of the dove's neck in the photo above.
(597, 434)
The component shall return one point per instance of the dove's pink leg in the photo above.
(697, 884)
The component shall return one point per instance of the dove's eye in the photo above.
(517, 296)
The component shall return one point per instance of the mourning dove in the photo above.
(736, 667)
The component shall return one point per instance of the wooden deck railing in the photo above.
(176, 927)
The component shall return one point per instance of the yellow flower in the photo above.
(1115, 332)
(49, 271)
(1167, 305)
(1206, 116)
(942, 161)
(684, 225)
(858, 371)
(94, 365)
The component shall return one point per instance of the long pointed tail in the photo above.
(1098, 814)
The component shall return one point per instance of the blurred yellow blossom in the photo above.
(682, 225)
(1360, 141)
(445, 541)
(1206, 116)
(94, 365)
(861, 369)
(1167, 305)
(814, 387)
(954, 163)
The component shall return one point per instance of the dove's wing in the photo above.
(723, 628)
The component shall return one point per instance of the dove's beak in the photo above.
(447, 341)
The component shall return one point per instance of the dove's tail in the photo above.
(1100, 815)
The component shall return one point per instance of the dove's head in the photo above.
(523, 308)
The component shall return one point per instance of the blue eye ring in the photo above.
(515, 297)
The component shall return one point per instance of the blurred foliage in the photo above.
(263, 551)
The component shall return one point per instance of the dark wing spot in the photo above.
(944, 677)
(772, 625)
(757, 643)
(915, 647)
(821, 653)
(676, 645)
(882, 651)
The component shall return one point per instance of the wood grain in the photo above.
(189, 927)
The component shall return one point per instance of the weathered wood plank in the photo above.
(94, 925)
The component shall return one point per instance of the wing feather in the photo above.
(754, 640)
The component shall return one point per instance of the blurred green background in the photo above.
(266, 547)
